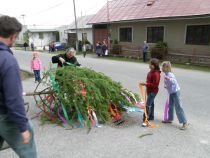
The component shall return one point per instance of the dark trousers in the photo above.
(150, 106)
(37, 75)
(10, 133)
(144, 56)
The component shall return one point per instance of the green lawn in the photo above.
(182, 66)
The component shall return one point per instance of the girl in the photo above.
(152, 83)
(36, 66)
(174, 96)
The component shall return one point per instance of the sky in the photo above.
(48, 13)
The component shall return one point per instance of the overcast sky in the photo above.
(48, 13)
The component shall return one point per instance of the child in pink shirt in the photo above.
(36, 66)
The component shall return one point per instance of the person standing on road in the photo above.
(15, 128)
(32, 46)
(145, 51)
(173, 89)
(69, 57)
(25, 45)
(152, 84)
(36, 66)
(104, 48)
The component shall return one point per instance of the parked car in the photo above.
(59, 46)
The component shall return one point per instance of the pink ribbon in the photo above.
(166, 110)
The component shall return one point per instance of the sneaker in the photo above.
(144, 124)
(184, 126)
(166, 121)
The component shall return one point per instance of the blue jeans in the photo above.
(150, 106)
(37, 75)
(10, 133)
(174, 101)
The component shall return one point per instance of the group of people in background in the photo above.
(25, 45)
(101, 48)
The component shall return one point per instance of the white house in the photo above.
(42, 37)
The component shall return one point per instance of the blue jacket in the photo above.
(11, 99)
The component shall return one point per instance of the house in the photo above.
(84, 30)
(42, 37)
(183, 24)
(63, 35)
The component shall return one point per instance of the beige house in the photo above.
(184, 25)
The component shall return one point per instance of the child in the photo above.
(174, 96)
(36, 66)
(152, 83)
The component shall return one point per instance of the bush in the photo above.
(116, 48)
(160, 50)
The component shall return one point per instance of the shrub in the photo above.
(160, 50)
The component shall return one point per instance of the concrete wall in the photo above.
(174, 35)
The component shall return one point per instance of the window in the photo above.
(126, 34)
(155, 34)
(198, 34)
(41, 35)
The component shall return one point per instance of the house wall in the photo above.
(174, 35)
(48, 37)
(89, 34)
(63, 35)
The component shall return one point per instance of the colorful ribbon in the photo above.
(166, 110)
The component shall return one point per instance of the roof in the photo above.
(129, 10)
(81, 23)
(42, 30)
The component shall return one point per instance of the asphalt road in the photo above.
(108, 142)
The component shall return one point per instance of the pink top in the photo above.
(36, 64)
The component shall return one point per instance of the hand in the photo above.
(62, 60)
(26, 136)
(167, 78)
(143, 84)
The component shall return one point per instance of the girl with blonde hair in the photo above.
(173, 89)
(36, 66)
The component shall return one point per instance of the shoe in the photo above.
(144, 124)
(166, 121)
(184, 126)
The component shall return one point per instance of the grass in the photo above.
(182, 66)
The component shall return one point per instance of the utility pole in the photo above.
(108, 26)
(75, 17)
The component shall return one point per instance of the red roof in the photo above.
(127, 10)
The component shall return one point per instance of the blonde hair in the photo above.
(35, 54)
(167, 65)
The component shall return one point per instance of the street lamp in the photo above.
(75, 17)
